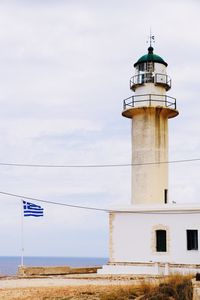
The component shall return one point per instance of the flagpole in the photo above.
(22, 233)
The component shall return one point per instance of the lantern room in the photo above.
(150, 68)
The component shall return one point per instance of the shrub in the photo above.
(185, 290)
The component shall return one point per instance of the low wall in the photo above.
(59, 270)
(149, 268)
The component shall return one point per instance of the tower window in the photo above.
(161, 241)
(142, 67)
(166, 196)
(150, 66)
(192, 239)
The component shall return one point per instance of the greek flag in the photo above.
(32, 210)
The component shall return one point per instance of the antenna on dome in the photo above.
(151, 39)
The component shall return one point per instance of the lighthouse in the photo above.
(149, 110)
(151, 234)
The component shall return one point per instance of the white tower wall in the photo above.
(150, 144)
(152, 89)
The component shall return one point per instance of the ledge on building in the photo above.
(161, 208)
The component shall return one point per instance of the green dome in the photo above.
(150, 56)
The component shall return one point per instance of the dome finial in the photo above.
(150, 50)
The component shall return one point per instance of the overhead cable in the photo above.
(53, 202)
(155, 212)
(98, 165)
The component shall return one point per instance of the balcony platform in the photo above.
(151, 102)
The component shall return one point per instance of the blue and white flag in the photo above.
(32, 210)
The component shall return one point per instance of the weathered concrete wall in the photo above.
(150, 144)
(60, 270)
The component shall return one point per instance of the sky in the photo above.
(65, 68)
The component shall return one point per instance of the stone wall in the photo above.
(57, 270)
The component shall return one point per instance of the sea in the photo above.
(9, 264)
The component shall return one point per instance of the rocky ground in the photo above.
(56, 293)
(94, 287)
(62, 288)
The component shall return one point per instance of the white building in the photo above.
(152, 236)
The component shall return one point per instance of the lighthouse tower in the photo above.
(150, 235)
(149, 110)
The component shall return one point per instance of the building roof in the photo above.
(158, 208)
(150, 56)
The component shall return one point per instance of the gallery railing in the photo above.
(157, 79)
(149, 100)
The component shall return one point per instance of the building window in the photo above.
(161, 240)
(192, 239)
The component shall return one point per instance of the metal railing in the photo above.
(157, 78)
(149, 100)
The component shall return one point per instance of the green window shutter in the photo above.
(192, 239)
(161, 241)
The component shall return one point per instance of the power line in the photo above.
(53, 202)
(195, 211)
(98, 165)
